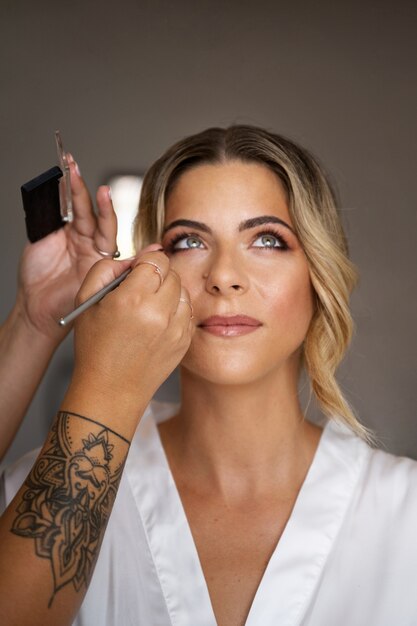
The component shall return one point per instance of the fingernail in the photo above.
(109, 192)
(70, 158)
(77, 169)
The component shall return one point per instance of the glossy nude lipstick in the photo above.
(230, 326)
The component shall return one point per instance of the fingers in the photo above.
(162, 280)
(106, 232)
(106, 270)
(84, 218)
(99, 276)
(150, 277)
(187, 301)
(151, 268)
(102, 229)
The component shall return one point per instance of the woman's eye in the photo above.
(268, 241)
(187, 243)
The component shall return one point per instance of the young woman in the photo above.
(231, 508)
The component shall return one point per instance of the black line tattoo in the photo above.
(69, 495)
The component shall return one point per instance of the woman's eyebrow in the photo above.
(263, 219)
(189, 224)
(245, 225)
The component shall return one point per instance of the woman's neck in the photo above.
(241, 439)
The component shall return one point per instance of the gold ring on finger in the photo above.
(157, 269)
(190, 305)
(113, 255)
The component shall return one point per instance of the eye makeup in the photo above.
(273, 234)
(170, 247)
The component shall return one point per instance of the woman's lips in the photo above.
(230, 326)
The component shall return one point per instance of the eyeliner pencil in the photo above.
(93, 299)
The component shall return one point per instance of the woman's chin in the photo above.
(223, 373)
(237, 368)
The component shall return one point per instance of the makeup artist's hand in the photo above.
(128, 343)
(52, 269)
(51, 272)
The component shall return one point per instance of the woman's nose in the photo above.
(225, 276)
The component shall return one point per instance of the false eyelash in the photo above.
(176, 238)
(170, 247)
(273, 233)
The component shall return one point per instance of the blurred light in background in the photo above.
(125, 192)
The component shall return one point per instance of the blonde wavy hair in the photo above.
(313, 211)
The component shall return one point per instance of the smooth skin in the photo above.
(239, 449)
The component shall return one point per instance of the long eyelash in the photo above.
(170, 246)
(277, 235)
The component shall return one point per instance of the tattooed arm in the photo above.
(51, 533)
(61, 511)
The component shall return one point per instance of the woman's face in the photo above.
(229, 236)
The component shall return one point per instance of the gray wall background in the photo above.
(123, 81)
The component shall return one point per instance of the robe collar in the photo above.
(295, 567)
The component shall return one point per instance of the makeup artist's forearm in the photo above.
(52, 531)
(112, 406)
(24, 357)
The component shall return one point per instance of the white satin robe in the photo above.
(347, 557)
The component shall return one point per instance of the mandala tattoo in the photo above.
(68, 497)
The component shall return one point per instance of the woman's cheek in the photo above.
(292, 302)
